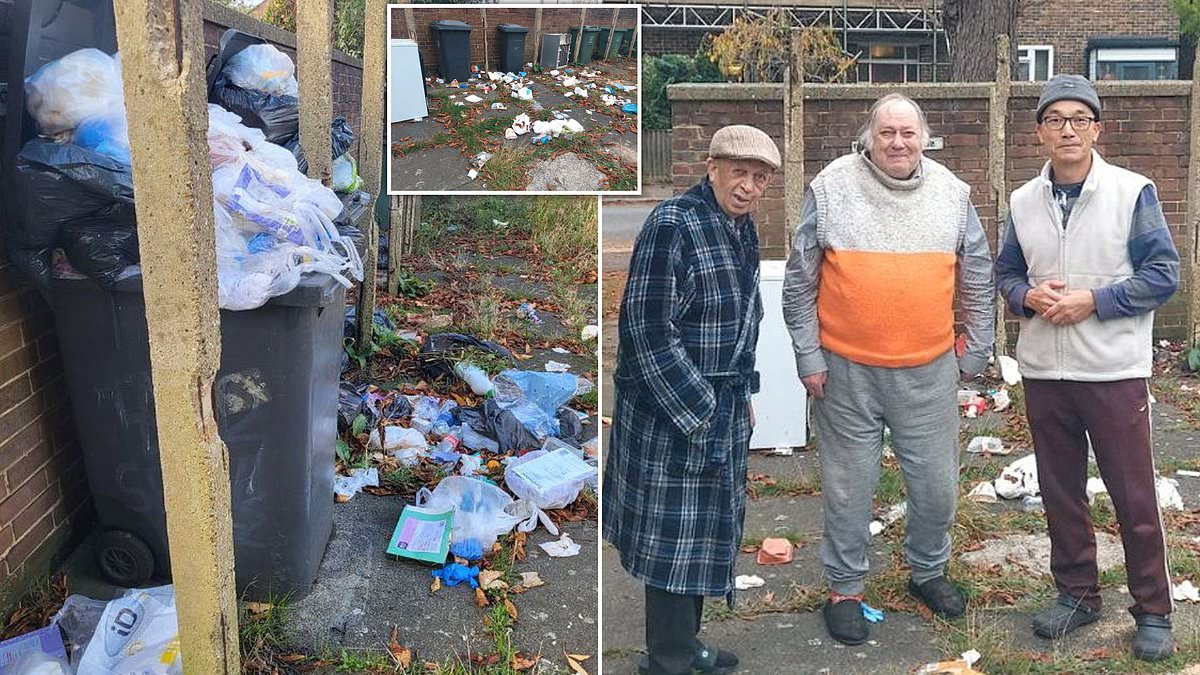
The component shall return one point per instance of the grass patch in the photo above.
(566, 228)
(890, 490)
(508, 169)
(802, 485)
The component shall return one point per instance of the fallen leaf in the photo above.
(437, 583)
(480, 598)
(575, 665)
(492, 579)
(524, 662)
(293, 658)
(512, 609)
(258, 607)
(401, 655)
(518, 551)
(531, 580)
(340, 499)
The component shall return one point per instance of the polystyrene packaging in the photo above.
(64, 92)
(263, 68)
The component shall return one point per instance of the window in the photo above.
(1134, 63)
(1035, 63)
(880, 62)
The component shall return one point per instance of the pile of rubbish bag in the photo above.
(75, 188)
(135, 633)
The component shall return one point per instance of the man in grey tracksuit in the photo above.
(1086, 259)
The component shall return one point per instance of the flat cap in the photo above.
(741, 141)
(1069, 88)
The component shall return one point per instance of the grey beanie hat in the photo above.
(1069, 88)
(741, 141)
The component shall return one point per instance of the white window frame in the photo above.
(1026, 54)
(1132, 55)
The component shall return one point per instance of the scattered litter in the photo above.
(1009, 370)
(1185, 590)
(1018, 479)
(479, 160)
(499, 106)
(774, 551)
(524, 93)
(983, 493)
(556, 367)
(527, 312)
(570, 81)
(475, 377)
(547, 480)
(579, 91)
(1001, 400)
(1032, 504)
(1095, 486)
(422, 534)
(1169, 498)
(137, 633)
(1188, 472)
(563, 548)
(965, 396)
(27, 653)
(560, 350)
(974, 406)
(469, 465)
(472, 174)
(520, 124)
(481, 510)
(871, 614)
(783, 451)
(510, 134)
(892, 514)
(745, 582)
(345, 487)
(472, 98)
(987, 445)
(453, 574)
(590, 332)
(396, 438)
(629, 108)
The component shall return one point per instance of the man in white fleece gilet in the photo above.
(1086, 259)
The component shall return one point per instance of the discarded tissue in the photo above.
(563, 548)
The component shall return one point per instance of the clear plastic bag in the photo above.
(263, 68)
(83, 84)
(482, 511)
(137, 633)
(345, 174)
(552, 486)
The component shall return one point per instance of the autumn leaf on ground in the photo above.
(531, 580)
(254, 608)
(492, 579)
(511, 608)
(524, 662)
(574, 661)
(518, 552)
(480, 598)
(401, 655)
(437, 583)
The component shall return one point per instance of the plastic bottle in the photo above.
(449, 441)
(475, 377)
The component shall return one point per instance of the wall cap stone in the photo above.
(737, 91)
(231, 18)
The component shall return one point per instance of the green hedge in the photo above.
(660, 71)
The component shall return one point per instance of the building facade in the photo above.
(904, 40)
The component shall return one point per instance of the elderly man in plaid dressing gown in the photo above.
(674, 493)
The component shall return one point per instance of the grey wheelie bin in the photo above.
(454, 49)
(275, 400)
(512, 47)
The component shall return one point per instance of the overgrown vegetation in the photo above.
(660, 71)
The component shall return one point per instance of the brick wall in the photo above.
(1146, 130)
(659, 41)
(1067, 27)
(483, 22)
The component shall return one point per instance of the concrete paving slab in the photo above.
(567, 172)
(441, 168)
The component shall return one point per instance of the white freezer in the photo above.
(406, 83)
(780, 406)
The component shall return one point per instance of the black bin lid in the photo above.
(450, 24)
(512, 28)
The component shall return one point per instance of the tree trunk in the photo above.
(971, 30)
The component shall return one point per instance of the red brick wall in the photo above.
(1067, 27)
(554, 20)
(45, 505)
(1144, 132)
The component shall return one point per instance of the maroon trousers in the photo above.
(1116, 416)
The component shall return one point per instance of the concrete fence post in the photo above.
(1192, 226)
(163, 63)
(314, 60)
(793, 143)
(997, 161)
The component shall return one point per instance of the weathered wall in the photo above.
(483, 20)
(1146, 130)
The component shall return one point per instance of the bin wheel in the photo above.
(124, 558)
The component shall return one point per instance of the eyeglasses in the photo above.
(1077, 123)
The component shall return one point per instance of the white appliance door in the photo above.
(780, 406)
(406, 84)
